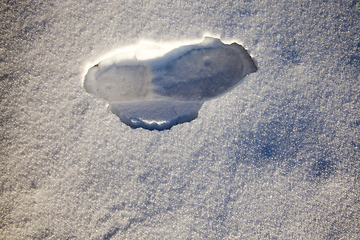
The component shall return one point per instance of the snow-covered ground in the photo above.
(275, 158)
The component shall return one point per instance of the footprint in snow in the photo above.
(160, 92)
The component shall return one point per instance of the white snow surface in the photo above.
(275, 158)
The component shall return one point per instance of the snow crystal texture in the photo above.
(277, 157)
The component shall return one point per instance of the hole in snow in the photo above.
(156, 88)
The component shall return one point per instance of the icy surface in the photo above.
(277, 157)
(154, 89)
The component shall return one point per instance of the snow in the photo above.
(277, 157)
(155, 114)
(155, 89)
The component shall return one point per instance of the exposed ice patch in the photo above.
(155, 89)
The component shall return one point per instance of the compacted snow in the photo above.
(277, 157)
(167, 88)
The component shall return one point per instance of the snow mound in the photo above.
(154, 89)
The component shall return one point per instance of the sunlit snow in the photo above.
(274, 157)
